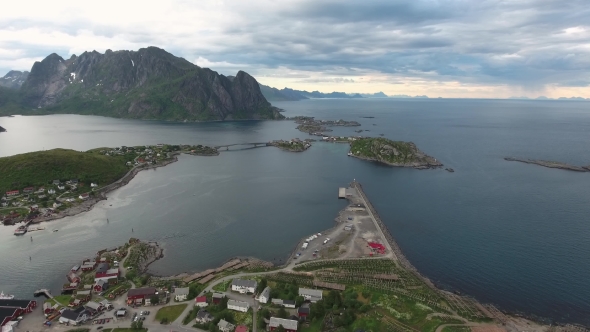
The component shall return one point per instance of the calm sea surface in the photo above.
(512, 234)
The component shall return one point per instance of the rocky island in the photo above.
(551, 164)
(392, 153)
(294, 145)
(312, 126)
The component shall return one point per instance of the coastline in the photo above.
(414, 166)
(551, 164)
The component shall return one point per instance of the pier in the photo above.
(43, 292)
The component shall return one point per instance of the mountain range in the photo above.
(148, 84)
(14, 79)
(287, 94)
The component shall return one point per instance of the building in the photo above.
(73, 317)
(203, 316)
(106, 304)
(7, 314)
(225, 326)
(238, 305)
(264, 297)
(83, 296)
(243, 286)
(180, 294)
(61, 187)
(93, 185)
(303, 312)
(101, 286)
(88, 266)
(138, 295)
(312, 295)
(12, 193)
(201, 301)
(73, 277)
(84, 196)
(102, 267)
(289, 304)
(289, 325)
(28, 190)
(241, 328)
(56, 182)
(217, 297)
(108, 274)
(23, 306)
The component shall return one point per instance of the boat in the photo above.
(21, 230)
(6, 296)
(55, 230)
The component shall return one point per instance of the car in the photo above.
(99, 328)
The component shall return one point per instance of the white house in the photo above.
(51, 191)
(93, 185)
(61, 187)
(264, 296)
(238, 305)
(73, 317)
(243, 286)
(312, 295)
(287, 324)
(225, 326)
(180, 294)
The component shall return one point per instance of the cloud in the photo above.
(459, 45)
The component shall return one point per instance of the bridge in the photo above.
(243, 145)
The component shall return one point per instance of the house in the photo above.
(83, 296)
(73, 277)
(312, 295)
(101, 286)
(56, 182)
(289, 325)
(88, 266)
(28, 190)
(264, 297)
(7, 314)
(41, 190)
(277, 301)
(102, 268)
(84, 196)
(243, 286)
(106, 304)
(93, 185)
(74, 181)
(61, 187)
(241, 328)
(201, 301)
(138, 295)
(73, 317)
(51, 191)
(108, 274)
(180, 294)
(56, 205)
(217, 297)
(203, 316)
(303, 312)
(12, 193)
(225, 326)
(94, 306)
(289, 304)
(238, 305)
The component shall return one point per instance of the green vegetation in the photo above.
(61, 299)
(78, 330)
(170, 313)
(126, 330)
(395, 153)
(222, 287)
(293, 145)
(42, 167)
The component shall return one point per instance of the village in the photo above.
(352, 277)
(56, 197)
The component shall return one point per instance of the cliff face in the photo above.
(149, 84)
(14, 79)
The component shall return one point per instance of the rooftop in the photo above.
(286, 323)
(244, 283)
(238, 304)
(181, 291)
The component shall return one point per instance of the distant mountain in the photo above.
(146, 84)
(521, 97)
(14, 79)
(542, 98)
(374, 95)
(407, 96)
(573, 98)
(286, 94)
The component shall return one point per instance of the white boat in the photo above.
(6, 296)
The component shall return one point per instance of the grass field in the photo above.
(42, 167)
(171, 313)
(61, 299)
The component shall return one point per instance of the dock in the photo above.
(43, 292)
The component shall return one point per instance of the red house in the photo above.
(12, 193)
(88, 266)
(241, 328)
(107, 274)
(22, 306)
(303, 312)
(201, 301)
(138, 295)
(100, 286)
(7, 314)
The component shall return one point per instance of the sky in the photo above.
(450, 48)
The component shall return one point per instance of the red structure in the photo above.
(377, 247)
(241, 328)
(137, 295)
(12, 193)
(7, 314)
(72, 277)
(108, 273)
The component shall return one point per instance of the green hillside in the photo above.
(42, 167)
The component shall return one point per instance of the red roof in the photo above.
(12, 192)
(241, 328)
(376, 246)
(201, 299)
